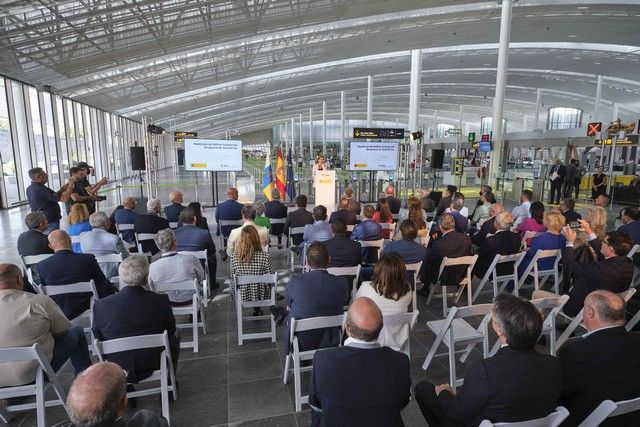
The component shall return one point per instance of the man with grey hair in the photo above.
(150, 223)
(503, 242)
(275, 209)
(603, 364)
(248, 218)
(99, 242)
(516, 384)
(98, 397)
(455, 210)
(34, 242)
(42, 198)
(172, 211)
(368, 395)
(489, 226)
(135, 310)
(174, 267)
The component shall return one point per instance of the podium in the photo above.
(325, 187)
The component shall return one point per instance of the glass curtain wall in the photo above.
(45, 130)
(564, 118)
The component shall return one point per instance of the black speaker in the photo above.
(437, 159)
(137, 158)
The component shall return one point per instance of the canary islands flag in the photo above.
(267, 178)
(280, 179)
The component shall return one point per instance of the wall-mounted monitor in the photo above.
(215, 155)
(373, 156)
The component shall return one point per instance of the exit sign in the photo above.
(471, 137)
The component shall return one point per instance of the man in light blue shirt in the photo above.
(521, 212)
(320, 230)
(100, 242)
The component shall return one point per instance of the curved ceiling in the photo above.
(209, 66)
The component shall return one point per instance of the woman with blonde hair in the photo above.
(248, 259)
(597, 219)
(391, 292)
(78, 223)
(553, 221)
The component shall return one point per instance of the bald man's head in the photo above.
(232, 193)
(175, 197)
(59, 240)
(129, 203)
(603, 308)
(495, 209)
(364, 320)
(10, 276)
(98, 396)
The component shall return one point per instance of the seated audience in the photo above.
(419, 218)
(503, 242)
(261, 219)
(567, 207)
(98, 397)
(249, 258)
(604, 201)
(201, 221)
(348, 386)
(65, 267)
(487, 227)
(630, 223)
(248, 218)
(479, 202)
(127, 215)
(190, 238)
(446, 200)
(597, 220)
(344, 213)
(409, 250)
(343, 252)
(603, 364)
(394, 203)
(174, 267)
(523, 210)
(134, 311)
(427, 202)
(229, 210)
(612, 272)
(481, 212)
(313, 294)
(516, 384)
(391, 292)
(27, 319)
(354, 205)
(298, 218)
(172, 211)
(383, 215)
(78, 223)
(367, 230)
(275, 209)
(100, 242)
(34, 242)
(150, 223)
(464, 211)
(552, 239)
(451, 244)
(320, 230)
(534, 223)
(456, 211)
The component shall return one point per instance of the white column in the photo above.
(536, 119)
(293, 139)
(616, 112)
(369, 100)
(524, 122)
(301, 147)
(341, 124)
(286, 137)
(324, 128)
(501, 85)
(414, 89)
(311, 133)
(598, 99)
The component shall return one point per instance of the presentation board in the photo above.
(373, 156)
(216, 155)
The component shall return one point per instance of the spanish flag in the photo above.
(267, 178)
(280, 179)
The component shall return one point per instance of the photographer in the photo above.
(79, 193)
(89, 170)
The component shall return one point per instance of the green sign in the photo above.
(471, 137)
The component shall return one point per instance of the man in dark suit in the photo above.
(462, 222)
(354, 205)
(451, 244)
(275, 209)
(631, 223)
(343, 252)
(150, 223)
(489, 226)
(135, 311)
(602, 364)
(516, 384)
(126, 215)
(367, 230)
(445, 202)
(567, 210)
(172, 212)
(230, 210)
(191, 238)
(409, 250)
(298, 218)
(65, 267)
(557, 175)
(34, 242)
(612, 272)
(313, 294)
(344, 213)
(362, 382)
(503, 242)
(394, 203)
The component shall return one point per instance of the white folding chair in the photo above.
(293, 231)
(636, 271)
(192, 310)
(75, 239)
(124, 227)
(554, 419)
(528, 235)
(373, 244)
(608, 409)
(537, 274)
(298, 356)
(350, 228)
(268, 279)
(388, 226)
(143, 237)
(469, 261)
(415, 269)
(235, 223)
(492, 273)
(45, 378)
(162, 375)
(27, 262)
(402, 319)
(203, 256)
(75, 288)
(276, 221)
(173, 225)
(109, 263)
(454, 329)
(577, 321)
(395, 217)
(347, 272)
(633, 321)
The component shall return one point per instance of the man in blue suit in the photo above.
(65, 267)
(343, 252)
(367, 230)
(313, 294)
(127, 215)
(631, 223)
(191, 238)
(409, 250)
(172, 212)
(344, 213)
(229, 210)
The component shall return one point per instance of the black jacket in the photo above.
(298, 218)
(149, 223)
(172, 211)
(604, 365)
(349, 217)
(488, 227)
(275, 209)
(451, 245)
(343, 252)
(503, 243)
(33, 242)
(394, 204)
(443, 204)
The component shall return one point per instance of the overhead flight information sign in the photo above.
(379, 133)
(629, 140)
(180, 136)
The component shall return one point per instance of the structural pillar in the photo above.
(293, 139)
(324, 128)
(301, 146)
(536, 119)
(311, 155)
(341, 155)
(597, 101)
(501, 85)
(414, 89)
(369, 101)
